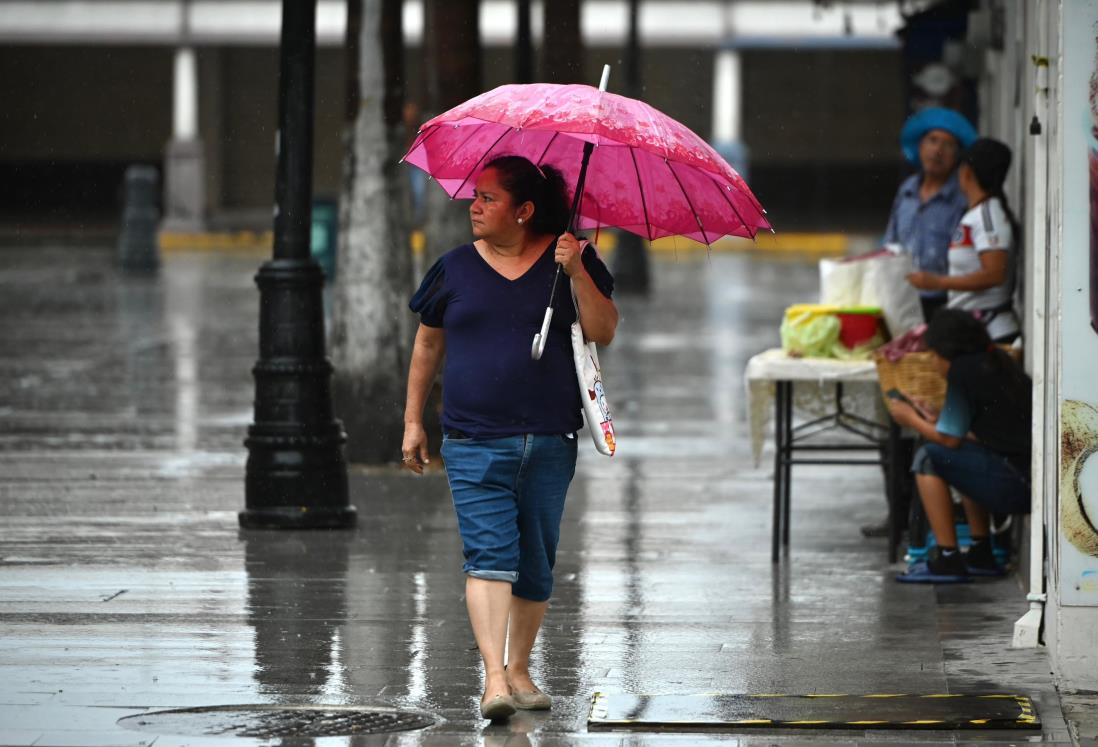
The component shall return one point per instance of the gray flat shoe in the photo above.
(535, 701)
(499, 708)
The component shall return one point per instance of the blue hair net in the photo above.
(935, 118)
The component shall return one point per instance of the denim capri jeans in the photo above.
(509, 497)
(977, 472)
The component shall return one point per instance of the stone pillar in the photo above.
(184, 158)
(728, 109)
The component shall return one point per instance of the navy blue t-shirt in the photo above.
(981, 399)
(491, 387)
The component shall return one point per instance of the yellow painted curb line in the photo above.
(814, 244)
(217, 241)
(817, 244)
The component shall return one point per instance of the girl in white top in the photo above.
(981, 277)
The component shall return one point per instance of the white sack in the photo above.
(885, 285)
(841, 282)
(876, 281)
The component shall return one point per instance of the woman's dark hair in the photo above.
(543, 186)
(953, 333)
(990, 161)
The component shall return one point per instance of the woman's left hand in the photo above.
(925, 280)
(568, 253)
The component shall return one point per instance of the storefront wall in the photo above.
(1056, 159)
(1072, 626)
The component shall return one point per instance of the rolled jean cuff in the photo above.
(508, 576)
(922, 464)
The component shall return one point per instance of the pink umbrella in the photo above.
(648, 174)
(630, 166)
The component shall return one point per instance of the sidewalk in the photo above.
(126, 587)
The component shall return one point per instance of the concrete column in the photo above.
(728, 109)
(185, 95)
(184, 159)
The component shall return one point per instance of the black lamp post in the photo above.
(296, 476)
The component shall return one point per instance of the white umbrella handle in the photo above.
(605, 77)
(539, 339)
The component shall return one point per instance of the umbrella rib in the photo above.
(640, 189)
(663, 134)
(421, 138)
(731, 205)
(481, 160)
(457, 150)
(688, 202)
(547, 147)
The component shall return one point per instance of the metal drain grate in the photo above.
(264, 722)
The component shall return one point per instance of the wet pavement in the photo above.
(126, 586)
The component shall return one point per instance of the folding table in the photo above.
(774, 368)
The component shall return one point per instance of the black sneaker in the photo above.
(980, 560)
(941, 564)
(937, 569)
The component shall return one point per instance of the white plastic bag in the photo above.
(881, 281)
(885, 285)
(841, 282)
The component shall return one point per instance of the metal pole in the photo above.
(296, 476)
(538, 346)
(631, 272)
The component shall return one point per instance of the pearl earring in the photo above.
(520, 220)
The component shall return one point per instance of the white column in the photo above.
(727, 97)
(728, 110)
(185, 95)
(184, 157)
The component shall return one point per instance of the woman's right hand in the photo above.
(414, 449)
(926, 409)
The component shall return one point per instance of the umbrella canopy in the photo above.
(648, 174)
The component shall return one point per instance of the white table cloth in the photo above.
(814, 384)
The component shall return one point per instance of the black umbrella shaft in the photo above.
(577, 198)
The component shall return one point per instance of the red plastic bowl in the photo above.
(856, 329)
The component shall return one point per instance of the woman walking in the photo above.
(509, 422)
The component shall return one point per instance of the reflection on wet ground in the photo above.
(125, 585)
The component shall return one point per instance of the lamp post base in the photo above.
(296, 474)
(299, 517)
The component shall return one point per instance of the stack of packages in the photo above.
(863, 302)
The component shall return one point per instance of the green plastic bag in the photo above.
(810, 335)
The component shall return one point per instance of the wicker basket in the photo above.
(915, 376)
